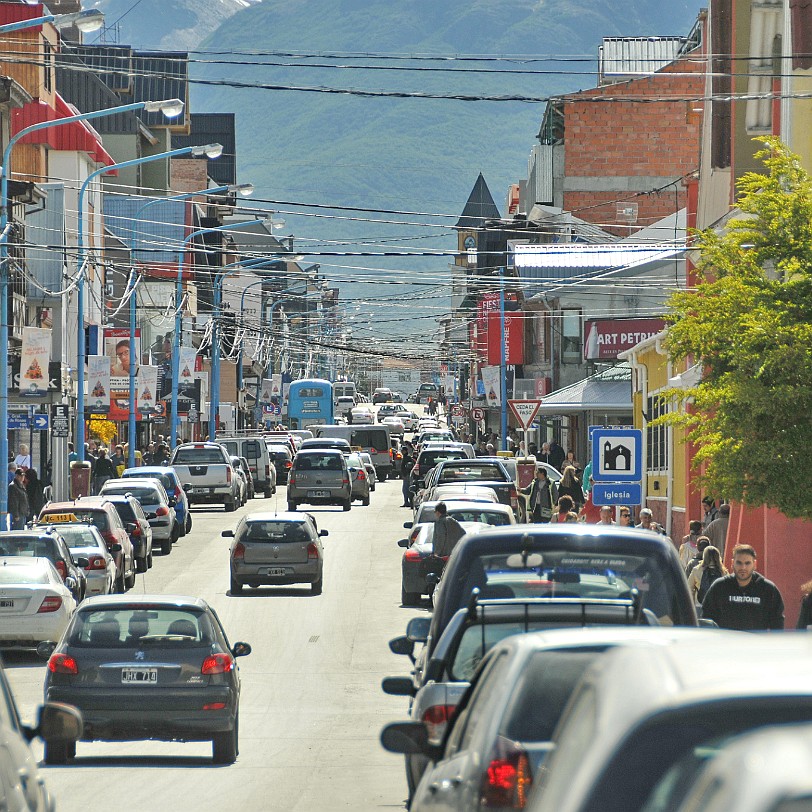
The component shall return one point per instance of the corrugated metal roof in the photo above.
(159, 227)
(610, 390)
(557, 261)
(214, 128)
(620, 57)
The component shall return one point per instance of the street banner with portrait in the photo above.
(36, 353)
(147, 389)
(98, 384)
(117, 349)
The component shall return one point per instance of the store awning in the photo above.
(609, 391)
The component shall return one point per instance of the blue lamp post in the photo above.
(171, 107)
(244, 189)
(86, 21)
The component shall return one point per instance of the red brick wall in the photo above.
(605, 139)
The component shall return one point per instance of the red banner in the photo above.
(514, 337)
(488, 303)
(605, 339)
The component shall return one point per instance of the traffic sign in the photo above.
(60, 420)
(617, 455)
(617, 493)
(18, 420)
(477, 413)
(40, 422)
(457, 410)
(525, 410)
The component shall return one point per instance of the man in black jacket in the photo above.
(745, 601)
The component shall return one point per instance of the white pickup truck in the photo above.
(205, 473)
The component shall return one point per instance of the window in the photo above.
(48, 65)
(656, 436)
(571, 344)
(311, 392)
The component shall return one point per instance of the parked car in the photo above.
(242, 481)
(387, 410)
(155, 504)
(465, 493)
(320, 477)
(381, 395)
(276, 549)
(249, 479)
(46, 542)
(641, 712)
(331, 443)
(206, 469)
(35, 604)
(102, 514)
(494, 514)
(395, 425)
(492, 473)
(148, 667)
(360, 483)
(372, 474)
(255, 451)
(282, 460)
(137, 524)
(86, 542)
(168, 477)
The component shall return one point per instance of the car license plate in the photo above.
(6, 604)
(201, 490)
(141, 676)
(318, 494)
(278, 571)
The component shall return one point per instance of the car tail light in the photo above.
(514, 497)
(162, 511)
(96, 562)
(267, 472)
(214, 706)
(345, 481)
(228, 474)
(178, 491)
(217, 664)
(62, 664)
(109, 537)
(62, 569)
(292, 480)
(238, 553)
(507, 779)
(373, 451)
(50, 604)
(412, 555)
(436, 718)
(136, 530)
(312, 552)
(288, 464)
(361, 475)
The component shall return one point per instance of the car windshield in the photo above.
(148, 495)
(76, 536)
(274, 532)
(199, 456)
(9, 574)
(567, 574)
(472, 473)
(134, 626)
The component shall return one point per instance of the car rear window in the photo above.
(166, 480)
(428, 459)
(492, 517)
(199, 456)
(134, 626)
(231, 446)
(9, 574)
(472, 473)
(76, 537)
(319, 462)
(274, 532)
(124, 509)
(98, 518)
(278, 453)
(31, 547)
(147, 495)
(370, 438)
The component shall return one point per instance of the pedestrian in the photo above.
(702, 576)
(702, 544)
(805, 615)
(102, 471)
(406, 464)
(72, 455)
(626, 518)
(118, 460)
(12, 469)
(532, 450)
(544, 454)
(161, 455)
(23, 458)
(711, 511)
(716, 531)
(687, 549)
(490, 450)
(590, 512)
(570, 485)
(606, 515)
(149, 454)
(570, 460)
(647, 522)
(565, 507)
(447, 531)
(35, 493)
(18, 501)
(745, 600)
(542, 495)
(557, 455)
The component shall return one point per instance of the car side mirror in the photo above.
(58, 722)
(403, 542)
(115, 548)
(130, 526)
(408, 525)
(411, 738)
(81, 562)
(187, 486)
(707, 623)
(241, 649)
(401, 645)
(418, 629)
(398, 686)
(227, 534)
(323, 533)
(172, 501)
(70, 583)
(45, 649)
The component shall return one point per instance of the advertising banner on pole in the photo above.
(266, 390)
(36, 353)
(147, 389)
(514, 337)
(98, 384)
(188, 388)
(117, 349)
(276, 386)
(493, 389)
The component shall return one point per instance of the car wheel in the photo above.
(372, 489)
(118, 587)
(269, 492)
(224, 745)
(230, 505)
(56, 751)
(175, 533)
(382, 477)
(316, 586)
(365, 501)
(236, 586)
(129, 581)
(409, 598)
(149, 560)
(347, 505)
(141, 564)
(188, 522)
(291, 507)
(166, 546)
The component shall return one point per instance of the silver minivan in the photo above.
(319, 476)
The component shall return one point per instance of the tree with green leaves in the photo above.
(748, 324)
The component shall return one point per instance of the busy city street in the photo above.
(311, 709)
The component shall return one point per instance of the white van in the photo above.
(345, 389)
(375, 440)
(255, 451)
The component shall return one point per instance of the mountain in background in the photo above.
(414, 154)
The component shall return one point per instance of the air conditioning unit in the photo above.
(626, 212)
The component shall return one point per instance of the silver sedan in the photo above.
(85, 541)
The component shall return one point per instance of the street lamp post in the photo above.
(86, 21)
(179, 326)
(169, 107)
(243, 188)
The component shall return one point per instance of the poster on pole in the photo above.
(36, 353)
(98, 384)
(117, 349)
(276, 386)
(147, 389)
(266, 390)
(492, 383)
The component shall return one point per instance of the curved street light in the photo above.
(86, 21)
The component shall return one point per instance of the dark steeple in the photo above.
(480, 206)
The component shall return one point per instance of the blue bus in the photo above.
(310, 403)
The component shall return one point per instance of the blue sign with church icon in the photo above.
(617, 455)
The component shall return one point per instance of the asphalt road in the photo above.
(311, 708)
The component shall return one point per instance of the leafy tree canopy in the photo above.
(749, 325)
